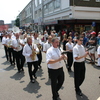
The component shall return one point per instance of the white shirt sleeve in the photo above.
(98, 50)
(75, 52)
(25, 53)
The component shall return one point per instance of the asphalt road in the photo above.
(15, 86)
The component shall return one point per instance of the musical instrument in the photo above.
(16, 29)
(39, 47)
(9, 44)
(33, 53)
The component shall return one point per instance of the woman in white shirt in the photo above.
(69, 49)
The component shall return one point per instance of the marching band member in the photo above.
(30, 52)
(53, 59)
(79, 55)
(38, 42)
(46, 46)
(69, 49)
(10, 50)
(17, 47)
(4, 42)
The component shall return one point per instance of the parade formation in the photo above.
(26, 47)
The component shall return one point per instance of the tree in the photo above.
(17, 22)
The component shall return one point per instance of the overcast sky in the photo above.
(9, 9)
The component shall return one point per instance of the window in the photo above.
(50, 6)
(97, 0)
(35, 14)
(35, 3)
(57, 3)
(46, 8)
(40, 1)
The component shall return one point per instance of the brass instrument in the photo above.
(33, 54)
(9, 44)
(39, 47)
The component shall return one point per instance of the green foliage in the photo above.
(17, 22)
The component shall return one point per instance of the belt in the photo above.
(80, 62)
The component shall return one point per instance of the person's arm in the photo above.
(79, 57)
(52, 61)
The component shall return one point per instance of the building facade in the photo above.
(77, 15)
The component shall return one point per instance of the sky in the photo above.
(9, 9)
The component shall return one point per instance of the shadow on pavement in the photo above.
(4, 57)
(9, 68)
(39, 73)
(6, 63)
(18, 76)
(33, 88)
(71, 74)
(84, 97)
(48, 82)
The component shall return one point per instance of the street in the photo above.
(15, 86)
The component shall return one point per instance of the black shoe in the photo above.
(35, 76)
(79, 93)
(40, 67)
(98, 66)
(57, 95)
(19, 71)
(22, 70)
(32, 81)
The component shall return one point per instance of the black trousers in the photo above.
(32, 72)
(70, 59)
(57, 79)
(20, 59)
(79, 74)
(11, 55)
(6, 52)
(39, 58)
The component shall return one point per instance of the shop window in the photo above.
(97, 0)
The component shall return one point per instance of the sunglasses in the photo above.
(81, 40)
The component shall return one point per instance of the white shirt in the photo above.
(4, 40)
(70, 46)
(36, 41)
(27, 51)
(78, 50)
(53, 53)
(98, 50)
(9, 42)
(15, 43)
(46, 46)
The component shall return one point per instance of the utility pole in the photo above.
(42, 15)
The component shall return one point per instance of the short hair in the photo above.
(79, 37)
(28, 38)
(69, 37)
(54, 38)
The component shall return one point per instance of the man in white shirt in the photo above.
(38, 42)
(79, 55)
(48, 44)
(54, 60)
(29, 51)
(4, 42)
(10, 50)
(17, 47)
